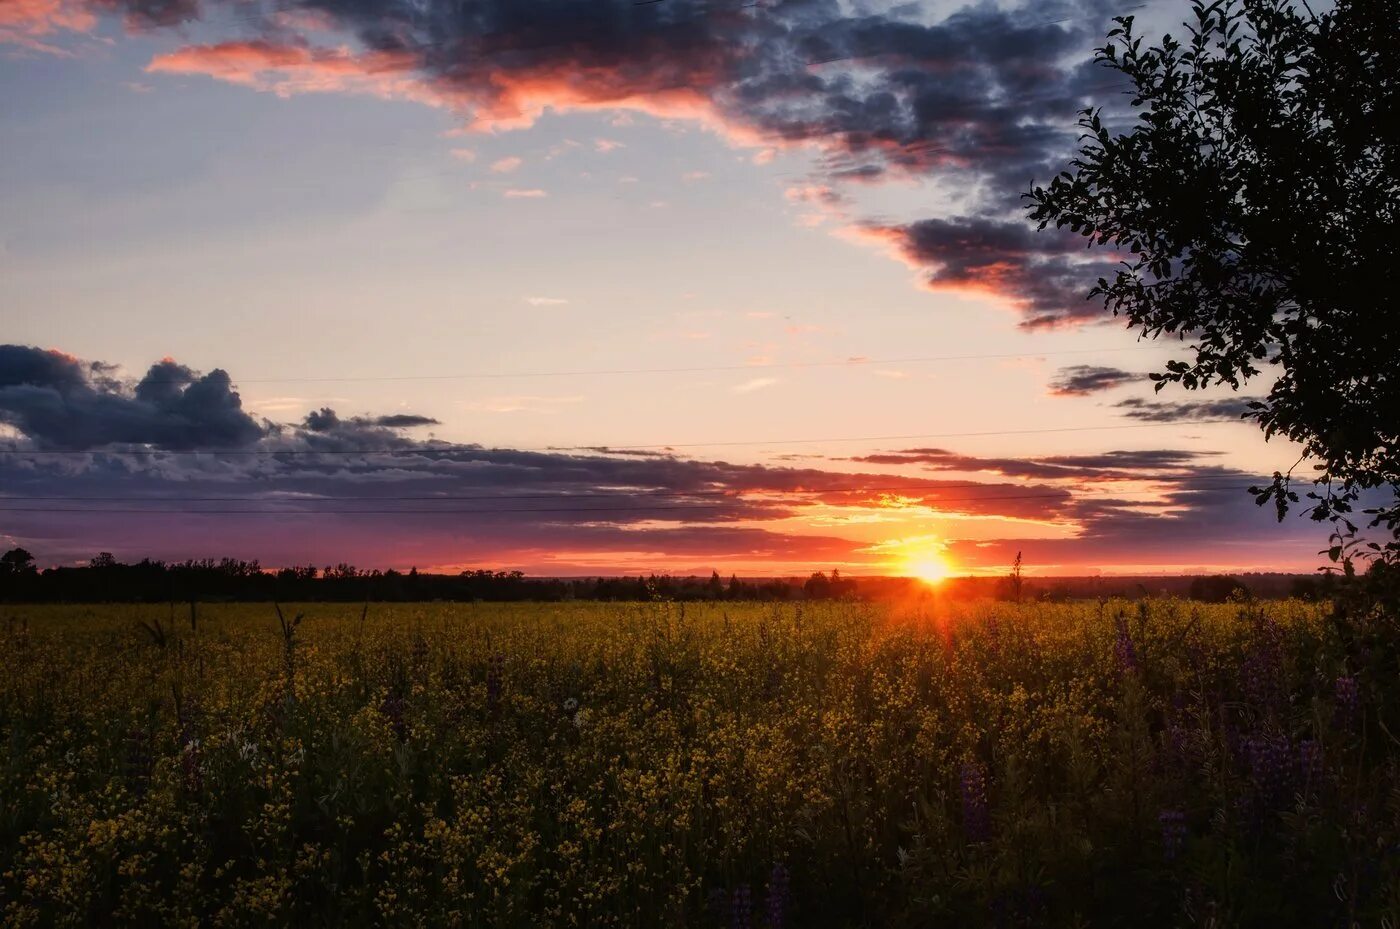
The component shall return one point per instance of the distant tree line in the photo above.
(105, 579)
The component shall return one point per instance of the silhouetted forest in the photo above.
(106, 580)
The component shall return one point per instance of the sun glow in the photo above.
(927, 567)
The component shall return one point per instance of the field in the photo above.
(1087, 764)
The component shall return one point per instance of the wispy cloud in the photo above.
(753, 384)
(546, 301)
(506, 165)
(529, 193)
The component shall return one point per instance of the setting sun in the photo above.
(929, 568)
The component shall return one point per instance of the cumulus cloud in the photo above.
(59, 402)
(506, 165)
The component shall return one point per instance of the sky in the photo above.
(585, 287)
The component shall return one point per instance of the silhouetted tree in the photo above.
(1218, 589)
(818, 586)
(1255, 200)
(16, 561)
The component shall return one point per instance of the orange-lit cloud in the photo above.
(27, 23)
(295, 68)
(984, 97)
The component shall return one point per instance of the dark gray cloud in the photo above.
(1047, 274)
(1114, 465)
(59, 402)
(1082, 380)
(1185, 411)
(404, 421)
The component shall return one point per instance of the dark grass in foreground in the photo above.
(1162, 763)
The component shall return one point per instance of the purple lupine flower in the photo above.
(717, 903)
(1262, 672)
(1177, 734)
(972, 782)
(1173, 823)
(1309, 761)
(1270, 768)
(495, 674)
(392, 708)
(1124, 651)
(192, 767)
(778, 882)
(1347, 697)
(137, 764)
(741, 908)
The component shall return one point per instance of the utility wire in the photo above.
(148, 511)
(853, 362)
(446, 450)
(927, 490)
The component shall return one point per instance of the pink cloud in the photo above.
(295, 67)
(27, 22)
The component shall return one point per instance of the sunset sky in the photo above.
(591, 286)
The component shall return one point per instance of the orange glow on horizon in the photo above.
(928, 567)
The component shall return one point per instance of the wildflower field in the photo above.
(643, 765)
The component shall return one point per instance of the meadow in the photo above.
(754, 766)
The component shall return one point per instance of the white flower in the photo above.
(570, 705)
(580, 718)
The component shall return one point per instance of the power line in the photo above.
(736, 493)
(853, 362)
(444, 450)
(187, 511)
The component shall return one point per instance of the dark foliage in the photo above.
(1255, 201)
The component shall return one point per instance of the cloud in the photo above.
(1113, 465)
(287, 68)
(404, 421)
(464, 154)
(532, 193)
(115, 452)
(983, 99)
(506, 165)
(1082, 380)
(1185, 411)
(546, 301)
(695, 176)
(28, 23)
(1043, 274)
(605, 146)
(59, 402)
(753, 384)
